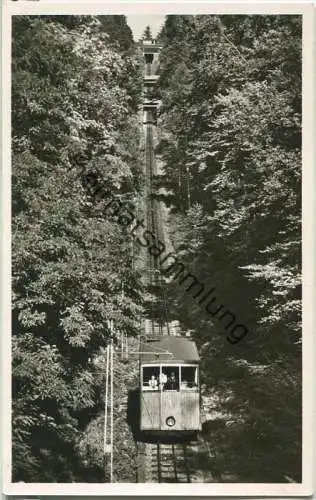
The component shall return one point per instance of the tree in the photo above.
(118, 30)
(73, 118)
(147, 34)
(232, 167)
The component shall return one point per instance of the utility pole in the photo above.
(111, 415)
(108, 409)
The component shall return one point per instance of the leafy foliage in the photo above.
(147, 34)
(230, 144)
(74, 113)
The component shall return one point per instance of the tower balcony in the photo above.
(150, 104)
(150, 79)
(151, 47)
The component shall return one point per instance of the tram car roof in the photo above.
(169, 349)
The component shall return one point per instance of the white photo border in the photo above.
(305, 488)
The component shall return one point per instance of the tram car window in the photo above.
(189, 379)
(172, 378)
(169, 383)
(150, 378)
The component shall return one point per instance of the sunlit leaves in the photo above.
(231, 156)
(72, 114)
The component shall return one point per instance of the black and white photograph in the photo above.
(156, 250)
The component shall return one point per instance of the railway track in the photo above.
(154, 225)
(176, 462)
(159, 461)
(166, 463)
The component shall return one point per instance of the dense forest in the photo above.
(229, 131)
(230, 141)
(76, 86)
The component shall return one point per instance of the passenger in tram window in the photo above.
(172, 383)
(163, 380)
(153, 384)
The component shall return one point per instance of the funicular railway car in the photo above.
(169, 386)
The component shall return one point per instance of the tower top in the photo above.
(150, 48)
